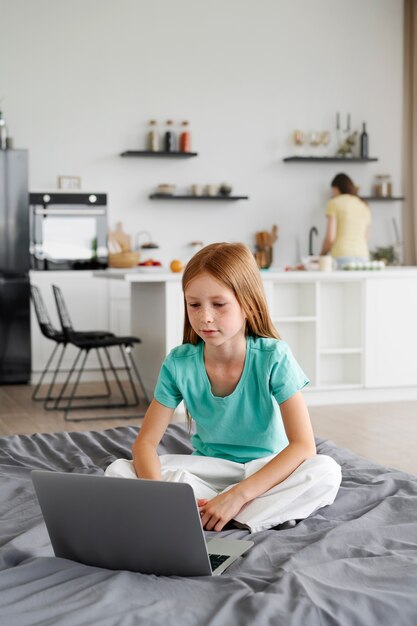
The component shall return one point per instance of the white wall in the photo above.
(81, 78)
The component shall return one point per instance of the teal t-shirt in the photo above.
(246, 424)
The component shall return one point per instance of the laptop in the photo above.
(146, 526)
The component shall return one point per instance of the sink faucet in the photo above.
(313, 231)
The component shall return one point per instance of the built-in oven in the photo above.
(68, 230)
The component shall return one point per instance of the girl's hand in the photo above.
(215, 513)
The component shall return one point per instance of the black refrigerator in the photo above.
(15, 351)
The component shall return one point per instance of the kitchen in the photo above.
(242, 138)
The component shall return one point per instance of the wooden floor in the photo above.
(385, 433)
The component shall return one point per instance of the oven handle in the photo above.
(64, 212)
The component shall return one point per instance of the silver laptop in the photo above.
(146, 526)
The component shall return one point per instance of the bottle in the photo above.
(153, 139)
(3, 132)
(169, 139)
(364, 142)
(185, 138)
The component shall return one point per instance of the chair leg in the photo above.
(49, 397)
(88, 407)
(136, 370)
(45, 371)
(103, 371)
(129, 375)
(60, 396)
(74, 389)
(119, 384)
(125, 404)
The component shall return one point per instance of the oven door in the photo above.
(69, 238)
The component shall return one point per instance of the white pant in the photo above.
(312, 485)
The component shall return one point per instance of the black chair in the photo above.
(48, 330)
(94, 342)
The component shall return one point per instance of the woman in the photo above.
(348, 222)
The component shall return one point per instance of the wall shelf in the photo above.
(161, 196)
(160, 154)
(383, 199)
(328, 159)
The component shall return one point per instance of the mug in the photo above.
(197, 190)
(327, 263)
(212, 190)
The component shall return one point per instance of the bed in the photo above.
(352, 563)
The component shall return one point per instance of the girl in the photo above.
(255, 459)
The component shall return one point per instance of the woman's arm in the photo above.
(221, 509)
(145, 458)
(330, 236)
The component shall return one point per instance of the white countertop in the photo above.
(135, 275)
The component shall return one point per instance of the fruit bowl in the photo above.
(151, 265)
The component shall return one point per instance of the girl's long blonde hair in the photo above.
(233, 265)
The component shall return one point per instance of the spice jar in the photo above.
(185, 138)
(153, 138)
(383, 186)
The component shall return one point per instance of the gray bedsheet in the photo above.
(352, 563)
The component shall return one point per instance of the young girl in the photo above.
(254, 460)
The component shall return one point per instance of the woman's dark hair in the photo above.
(344, 184)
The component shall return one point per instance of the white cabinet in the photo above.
(119, 307)
(87, 302)
(391, 332)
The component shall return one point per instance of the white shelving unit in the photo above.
(340, 334)
(293, 309)
(323, 323)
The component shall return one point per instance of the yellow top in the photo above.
(353, 217)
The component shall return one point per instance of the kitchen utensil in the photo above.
(119, 239)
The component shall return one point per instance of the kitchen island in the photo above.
(353, 332)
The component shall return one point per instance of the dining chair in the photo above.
(95, 342)
(50, 332)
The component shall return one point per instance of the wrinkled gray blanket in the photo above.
(353, 563)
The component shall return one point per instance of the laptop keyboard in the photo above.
(217, 559)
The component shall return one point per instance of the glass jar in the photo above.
(383, 186)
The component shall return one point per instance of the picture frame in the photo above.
(69, 182)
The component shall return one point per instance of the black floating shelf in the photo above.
(162, 196)
(383, 198)
(328, 159)
(161, 154)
